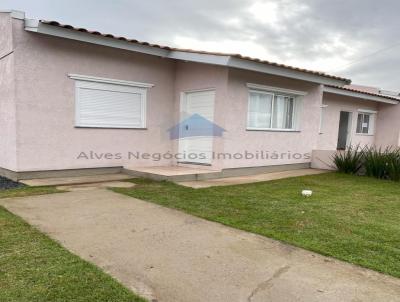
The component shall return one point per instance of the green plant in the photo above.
(382, 163)
(393, 165)
(376, 162)
(349, 161)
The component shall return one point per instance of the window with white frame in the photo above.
(269, 110)
(108, 103)
(365, 123)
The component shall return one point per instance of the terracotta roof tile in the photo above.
(365, 92)
(239, 56)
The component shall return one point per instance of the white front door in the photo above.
(200, 104)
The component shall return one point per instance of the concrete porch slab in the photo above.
(95, 186)
(58, 181)
(173, 173)
(250, 178)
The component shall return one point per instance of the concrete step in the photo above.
(229, 181)
(173, 173)
(202, 173)
(58, 181)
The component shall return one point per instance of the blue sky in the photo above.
(354, 38)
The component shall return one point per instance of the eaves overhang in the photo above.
(361, 95)
(55, 29)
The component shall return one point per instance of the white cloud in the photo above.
(316, 34)
(266, 12)
(276, 13)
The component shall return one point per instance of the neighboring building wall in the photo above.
(8, 151)
(238, 139)
(47, 138)
(194, 76)
(388, 126)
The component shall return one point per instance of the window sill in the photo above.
(272, 130)
(364, 134)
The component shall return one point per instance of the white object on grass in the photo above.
(306, 193)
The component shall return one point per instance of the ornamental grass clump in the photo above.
(376, 162)
(382, 163)
(393, 166)
(349, 161)
(370, 161)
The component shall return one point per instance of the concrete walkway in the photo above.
(237, 180)
(170, 256)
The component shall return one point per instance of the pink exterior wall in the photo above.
(238, 139)
(8, 147)
(327, 140)
(323, 159)
(38, 106)
(6, 39)
(47, 138)
(388, 126)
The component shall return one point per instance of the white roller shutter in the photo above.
(104, 105)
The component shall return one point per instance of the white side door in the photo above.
(197, 149)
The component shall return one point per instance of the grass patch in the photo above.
(351, 218)
(35, 268)
(28, 191)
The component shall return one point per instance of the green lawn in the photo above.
(35, 268)
(356, 219)
(27, 191)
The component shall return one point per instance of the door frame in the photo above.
(349, 127)
(182, 109)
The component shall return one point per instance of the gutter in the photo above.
(15, 14)
(283, 72)
(181, 55)
(38, 27)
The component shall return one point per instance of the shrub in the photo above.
(383, 163)
(393, 167)
(349, 161)
(376, 162)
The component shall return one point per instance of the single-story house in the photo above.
(77, 100)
